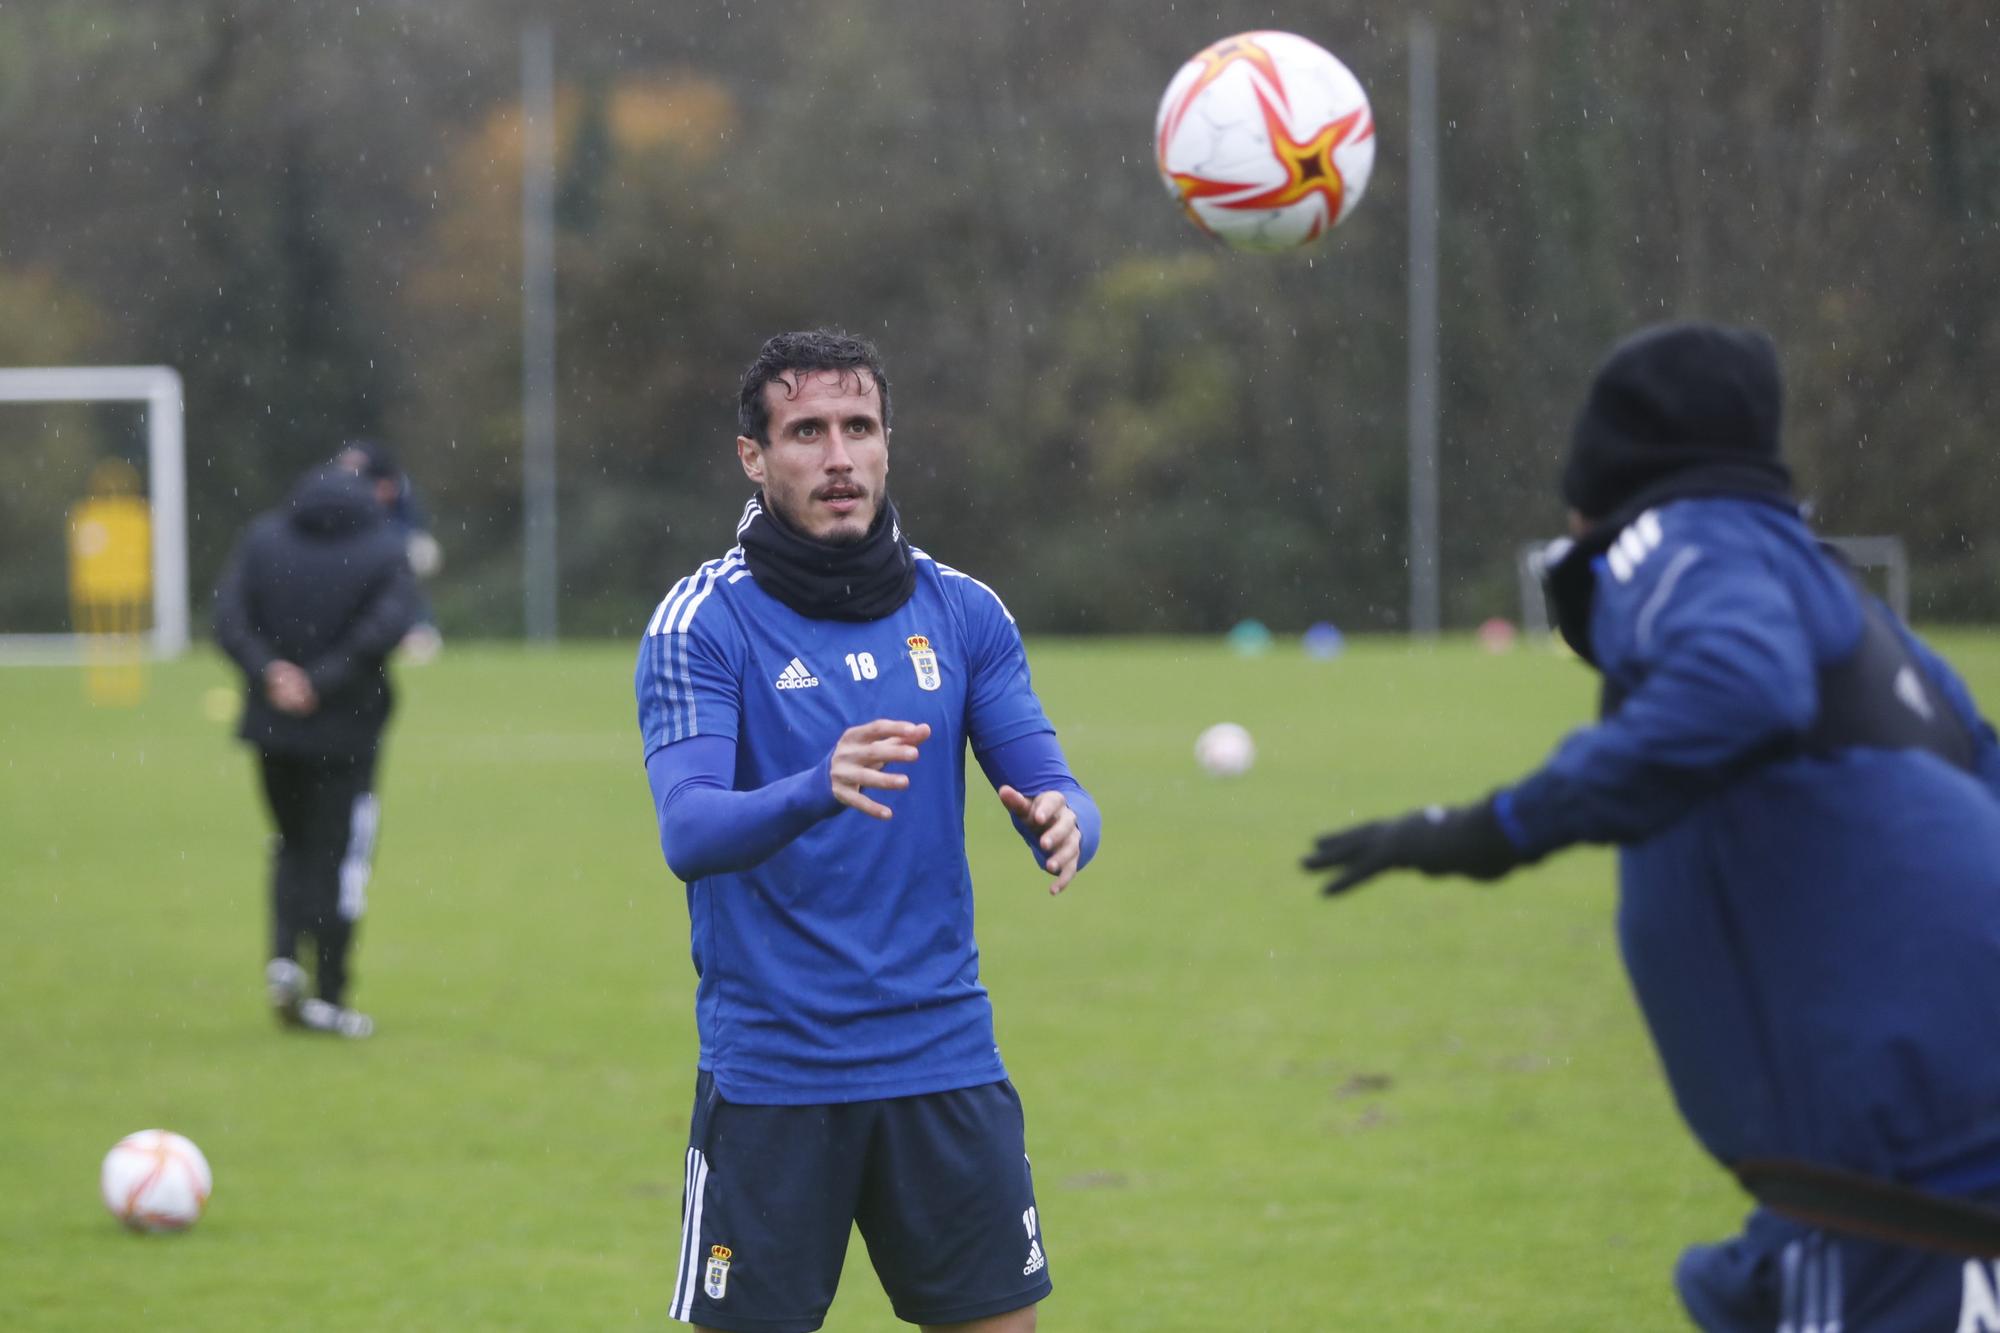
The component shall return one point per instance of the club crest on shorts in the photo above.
(925, 662)
(715, 1280)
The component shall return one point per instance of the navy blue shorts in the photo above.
(1782, 1277)
(939, 1185)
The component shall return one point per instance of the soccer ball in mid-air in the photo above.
(1265, 140)
(1225, 750)
(155, 1180)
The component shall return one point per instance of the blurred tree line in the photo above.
(313, 213)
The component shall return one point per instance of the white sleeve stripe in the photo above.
(949, 572)
(670, 623)
(680, 671)
(668, 609)
(729, 562)
(676, 599)
(1683, 561)
(680, 674)
(653, 625)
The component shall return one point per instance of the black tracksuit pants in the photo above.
(325, 813)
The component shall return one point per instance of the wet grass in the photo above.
(1430, 1106)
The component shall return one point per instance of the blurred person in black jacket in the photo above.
(316, 595)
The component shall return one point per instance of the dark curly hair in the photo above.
(816, 349)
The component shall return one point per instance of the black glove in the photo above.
(1439, 840)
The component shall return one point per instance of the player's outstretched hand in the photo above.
(1460, 840)
(1061, 838)
(860, 755)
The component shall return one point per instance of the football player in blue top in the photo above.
(1807, 808)
(806, 701)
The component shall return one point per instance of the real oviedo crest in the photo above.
(925, 661)
(716, 1280)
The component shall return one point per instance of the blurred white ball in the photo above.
(422, 645)
(1225, 750)
(155, 1180)
(426, 556)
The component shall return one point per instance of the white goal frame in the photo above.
(159, 388)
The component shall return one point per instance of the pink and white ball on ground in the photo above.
(1225, 750)
(156, 1180)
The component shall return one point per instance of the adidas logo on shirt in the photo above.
(796, 676)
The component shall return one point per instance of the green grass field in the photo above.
(1430, 1106)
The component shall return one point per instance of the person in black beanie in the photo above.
(1806, 803)
(1676, 410)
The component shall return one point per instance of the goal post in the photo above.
(158, 389)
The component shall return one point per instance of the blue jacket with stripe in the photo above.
(1813, 933)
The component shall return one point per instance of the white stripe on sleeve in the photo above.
(951, 573)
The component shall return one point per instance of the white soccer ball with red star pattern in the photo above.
(1265, 140)
(155, 1180)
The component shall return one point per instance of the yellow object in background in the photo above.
(111, 583)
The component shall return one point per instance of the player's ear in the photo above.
(751, 455)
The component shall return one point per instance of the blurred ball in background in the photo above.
(1225, 750)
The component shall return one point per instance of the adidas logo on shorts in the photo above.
(796, 676)
(1036, 1259)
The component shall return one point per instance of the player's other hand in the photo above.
(289, 689)
(860, 756)
(1460, 840)
(1061, 838)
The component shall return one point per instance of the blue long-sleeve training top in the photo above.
(836, 952)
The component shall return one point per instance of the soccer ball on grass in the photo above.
(155, 1180)
(1225, 750)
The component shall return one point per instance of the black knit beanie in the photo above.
(1673, 403)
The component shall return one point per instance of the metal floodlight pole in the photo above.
(538, 334)
(1423, 330)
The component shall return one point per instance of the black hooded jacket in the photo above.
(322, 582)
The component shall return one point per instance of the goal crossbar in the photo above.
(159, 388)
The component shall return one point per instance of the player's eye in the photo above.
(806, 430)
(860, 426)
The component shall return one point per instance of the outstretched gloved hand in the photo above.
(1437, 840)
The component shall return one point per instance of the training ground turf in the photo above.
(1430, 1106)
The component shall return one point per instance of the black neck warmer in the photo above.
(862, 580)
